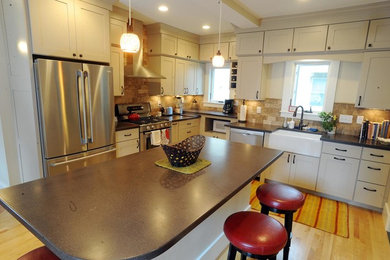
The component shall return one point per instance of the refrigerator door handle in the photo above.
(89, 100)
(82, 108)
(82, 158)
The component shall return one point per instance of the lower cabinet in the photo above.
(127, 142)
(183, 129)
(337, 175)
(295, 169)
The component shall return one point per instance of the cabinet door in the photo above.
(303, 172)
(174, 133)
(379, 34)
(168, 44)
(347, 36)
(310, 39)
(92, 30)
(249, 78)
(168, 71)
(278, 41)
(193, 51)
(53, 27)
(190, 77)
(117, 28)
(337, 175)
(127, 147)
(250, 43)
(117, 71)
(183, 48)
(187, 132)
(199, 78)
(206, 52)
(180, 76)
(374, 88)
(280, 169)
(232, 51)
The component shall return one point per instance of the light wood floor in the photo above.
(367, 240)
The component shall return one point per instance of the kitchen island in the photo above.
(128, 208)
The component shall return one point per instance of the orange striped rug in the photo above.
(317, 212)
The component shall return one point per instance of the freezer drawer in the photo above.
(246, 137)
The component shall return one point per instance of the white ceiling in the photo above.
(190, 15)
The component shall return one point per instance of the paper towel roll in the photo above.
(242, 115)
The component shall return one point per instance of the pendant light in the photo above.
(130, 41)
(218, 59)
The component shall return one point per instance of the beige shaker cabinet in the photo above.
(162, 44)
(232, 51)
(347, 36)
(249, 78)
(117, 28)
(70, 29)
(187, 49)
(117, 65)
(249, 43)
(278, 41)
(374, 87)
(379, 34)
(310, 39)
(164, 66)
(188, 128)
(209, 50)
(127, 142)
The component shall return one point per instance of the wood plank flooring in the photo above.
(367, 240)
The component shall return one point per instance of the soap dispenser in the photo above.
(291, 124)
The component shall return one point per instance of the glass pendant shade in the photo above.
(130, 42)
(218, 60)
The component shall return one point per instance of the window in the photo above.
(310, 84)
(219, 89)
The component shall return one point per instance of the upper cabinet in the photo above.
(164, 66)
(249, 43)
(347, 36)
(374, 88)
(278, 41)
(310, 39)
(208, 50)
(70, 29)
(232, 51)
(379, 34)
(249, 85)
(165, 44)
(117, 28)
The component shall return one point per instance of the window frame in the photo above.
(208, 86)
(289, 82)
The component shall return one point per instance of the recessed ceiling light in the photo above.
(163, 8)
(206, 27)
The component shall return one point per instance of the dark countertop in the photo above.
(354, 140)
(125, 125)
(254, 127)
(128, 208)
(210, 113)
(175, 118)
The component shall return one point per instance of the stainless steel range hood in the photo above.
(134, 67)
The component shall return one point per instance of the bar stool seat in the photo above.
(254, 234)
(281, 199)
(40, 253)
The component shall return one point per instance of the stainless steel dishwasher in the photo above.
(247, 136)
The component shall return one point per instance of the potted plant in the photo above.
(328, 121)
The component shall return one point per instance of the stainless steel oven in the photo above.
(145, 139)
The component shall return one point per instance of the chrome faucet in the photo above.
(295, 114)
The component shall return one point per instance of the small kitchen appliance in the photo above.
(179, 106)
(228, 106)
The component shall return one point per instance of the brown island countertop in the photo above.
(128, 208)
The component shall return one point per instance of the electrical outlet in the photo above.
(258, 110)
(359, 120)
(345, 119)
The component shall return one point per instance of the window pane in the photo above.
(220, 86)
(310, 86)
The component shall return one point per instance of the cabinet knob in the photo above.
(288, 49)
(328, 47)
(175, 53)
(294, 49)
(151, 50)
(74, 54)
(259, 51)
(369, 45)
(81, 55)
(257, 94)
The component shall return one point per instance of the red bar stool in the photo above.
(281, 199)
(255, 235)
(40, 253)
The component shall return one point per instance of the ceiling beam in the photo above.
(243, 10)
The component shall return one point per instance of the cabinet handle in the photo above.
(294, 159)
(122, 90)
(174, 123)
(74, 54)
(328, 47)
(188, 123)
(176, 53)
(360, 99)
(288, 158)
(369, 45)
(127, 135)
(257, 94)
(340, 159)
(162, 90)
(372, 168)
(341, 150)
(373, 190)
(377, 155)
(188, 132)
(137, 143)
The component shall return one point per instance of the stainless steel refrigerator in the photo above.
(76, 114)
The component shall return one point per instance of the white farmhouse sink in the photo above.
(296, 142)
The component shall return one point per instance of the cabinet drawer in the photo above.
(370, 194)
(127, 147)
(376, 155)
(127, 134)
(187, 132)
(189, 123)
(373, 172)
(342, 149)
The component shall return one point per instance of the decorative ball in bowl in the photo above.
(186, 152)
